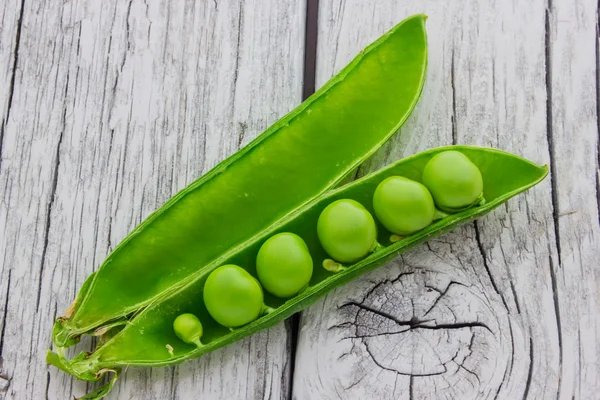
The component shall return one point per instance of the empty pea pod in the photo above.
(304, 154)
(504, 175)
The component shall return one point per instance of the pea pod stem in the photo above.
(479, 201)
(170, 350)
(266, 310)
(376, 247)
(396, 238)
(334, 266)
(196, 341)
(439, 215)
(104, 389)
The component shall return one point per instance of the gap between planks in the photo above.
(311, 29)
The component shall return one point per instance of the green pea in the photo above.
(346, 231)
(232, 296)
(454, 181)
(188, 328)
(284, 265)
(402, 205)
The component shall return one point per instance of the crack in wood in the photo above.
(355, 383)
(442, 293)
(378, 285)
(287, 366)
(549, 132)
(508, 371)
(597, 43)
(173, 385)
(243, 127)
(11, 87)
(452, 86)
(558, 323)
(507, 269)
(373, 358)
(4, 385)
(415, 323)
(339, 326)
(96, 228)
(127, 31)
(236, 69)
(52, 198)
(124, 58)
(47, 385)
(443, 364)
(5, 314)
(514, 291)
(471, 373)
(486, 266)
(263, 371)
(530, 369)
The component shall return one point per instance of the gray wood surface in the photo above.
(115, 107)
(109, 108)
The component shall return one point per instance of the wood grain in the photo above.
(506, 307)
(115, 107)
(573, 135)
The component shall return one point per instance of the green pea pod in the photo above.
(149, 340)
(304, 154)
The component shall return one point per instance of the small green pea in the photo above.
(402, 205)
(232, 296)
(188, 328)
(453, 180)
(284, 265)
(346, 231)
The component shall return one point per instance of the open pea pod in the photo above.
(148, 339)
(307, 152)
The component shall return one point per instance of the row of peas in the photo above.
(347, 232)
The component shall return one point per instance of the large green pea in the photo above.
(402, 205)
(284, 265)
(232, 296)
(188, 328)
(346, 231)
(453, 180)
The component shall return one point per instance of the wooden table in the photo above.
(108, 108)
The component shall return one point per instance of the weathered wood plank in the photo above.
(498, 286)
(573, 134)
(117, 106)
(10, 31)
